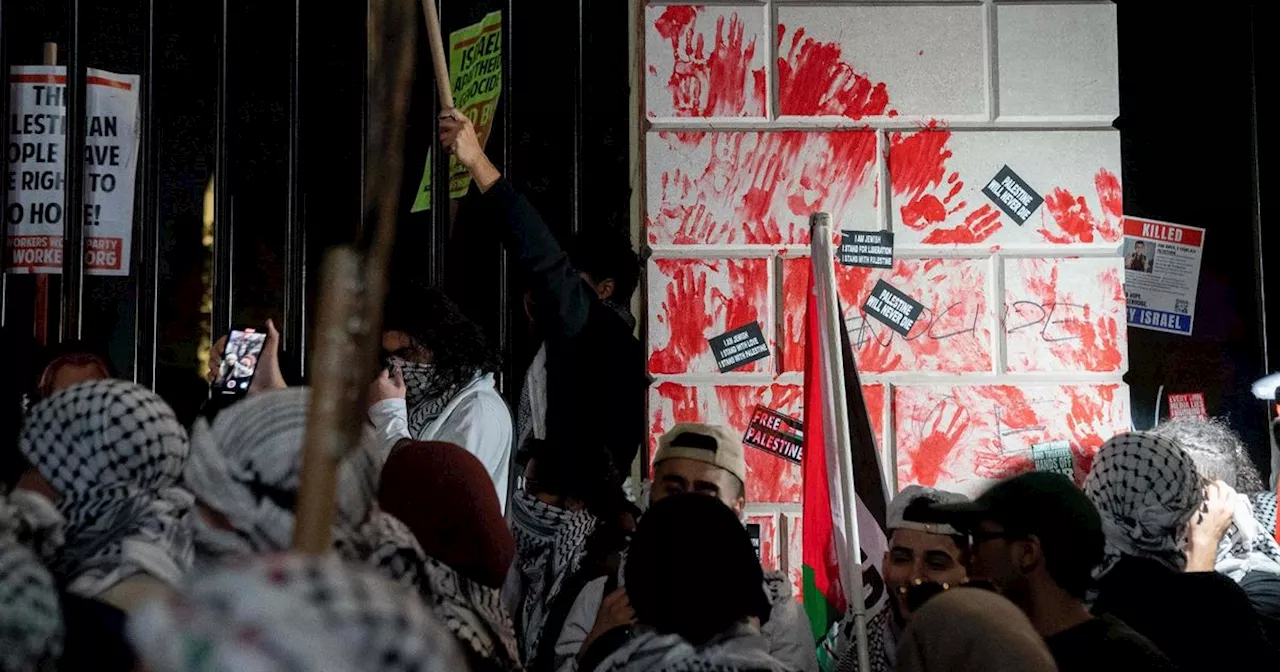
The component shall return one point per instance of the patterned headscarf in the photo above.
(472, 612)
(247, 466)
(1146, 489)
(288, 613)
(742, 649)
(113, 451)
(550, 545)
(31, 630)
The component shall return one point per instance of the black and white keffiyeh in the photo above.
(31, 630)
(426, 394)
(247, 466)
(1246, 547)
(1264, 511)
(1146, 488)
(113, 451)
(289, 613)
(742, 649)
(472, 612)
(550, 545)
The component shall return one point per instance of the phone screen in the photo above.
(239, 361)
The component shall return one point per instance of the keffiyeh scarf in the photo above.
(742, 649)
(113, 451)
(1146, 488)
(426, 394)
(472, 612)
(247, 466)
(550, 545)
(31, 631)
(1246, 547)
(292, 613)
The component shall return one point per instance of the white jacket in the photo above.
(476, 418)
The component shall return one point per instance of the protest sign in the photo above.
(1189, 405)
(870, 249)
(37, 170)
(1054, 457)
(475, 75)
(775, 433)
(890, 306)
(740, 347)
(1013, 195)
(1162, 273)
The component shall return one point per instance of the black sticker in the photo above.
(775, 433)
(753, 531)
(1013, 195)
(1054, 457)
(896, 310)
(739, 347)
(870, 249)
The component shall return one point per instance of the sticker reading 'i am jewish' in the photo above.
(739, 347)
(870, 249)
(1013, 195)
(895, 309)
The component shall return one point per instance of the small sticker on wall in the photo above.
(775, 433)
(1188, 406)
(753, 531)
(869, 249)
(1054, 457)
(1013, 195)
(740, 347)
(894, 308)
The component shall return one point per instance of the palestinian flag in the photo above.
(825, 602)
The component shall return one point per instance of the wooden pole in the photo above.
(349, 325)
(40, 311)
(437, 55)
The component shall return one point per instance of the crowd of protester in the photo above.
(131, 540)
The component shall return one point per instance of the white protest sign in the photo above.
(36, 162)
(1161, 274)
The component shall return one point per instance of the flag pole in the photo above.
(837, 420)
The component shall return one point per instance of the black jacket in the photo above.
(596, 377)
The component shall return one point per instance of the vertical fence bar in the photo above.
(4, 163)
(220, 321)
(73, 195)
(579, 70)
(146, 243)
(295, 279)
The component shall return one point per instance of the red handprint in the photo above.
(942, 430)
(980, 225)
(685, 316)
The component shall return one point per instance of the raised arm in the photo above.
(562, 297)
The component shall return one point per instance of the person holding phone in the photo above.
(437, 382)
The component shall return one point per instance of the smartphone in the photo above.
(239, 362)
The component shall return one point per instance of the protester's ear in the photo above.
(1029, 553)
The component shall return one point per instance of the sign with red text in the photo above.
(1190, 406)
(1161, 274)
(775, 433)
(36, 170)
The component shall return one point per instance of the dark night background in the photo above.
(1187, 129)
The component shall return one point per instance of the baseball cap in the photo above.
(712, 444)
(911, 509)
(1038, 503)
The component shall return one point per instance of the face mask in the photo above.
(418, 379)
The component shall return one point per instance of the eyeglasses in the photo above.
(977, 537)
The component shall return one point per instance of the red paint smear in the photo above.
(1076, 220)
(769, 479)
(813, 80)
(1089, 409)
(684, 408)
(1096, 346)
(923, 211)
(917, 161)
(980, 225)
(945, 426)
(685, 316)
(722, 76)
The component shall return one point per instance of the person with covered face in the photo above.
(437, 383)
(1151, 500)
(108, 455)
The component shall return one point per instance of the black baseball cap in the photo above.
(1041, 504)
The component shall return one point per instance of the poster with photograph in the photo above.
(1161, 274)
